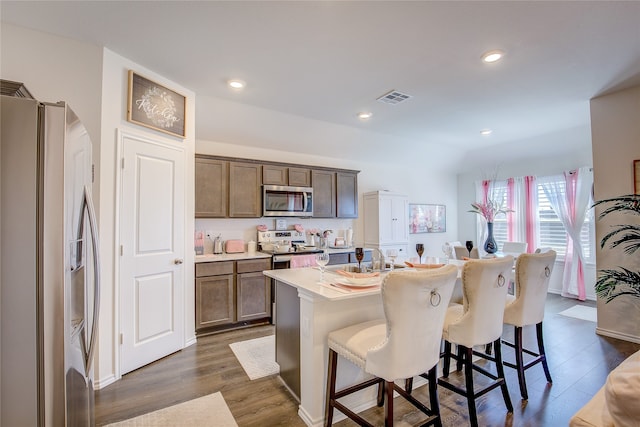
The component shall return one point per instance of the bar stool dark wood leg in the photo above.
(520, 362)
(500, 371)
(331, 388)
(447, 359)
(468, 376)
(543, 356)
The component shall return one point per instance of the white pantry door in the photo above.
(152, 251)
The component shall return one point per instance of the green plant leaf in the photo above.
(614, 283)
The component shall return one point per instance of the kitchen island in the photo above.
(306, 311)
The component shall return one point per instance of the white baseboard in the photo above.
(103, 382)
(190, 341)
(618, 335)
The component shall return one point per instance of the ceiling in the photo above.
(326, 61)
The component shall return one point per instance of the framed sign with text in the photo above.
(155, 106)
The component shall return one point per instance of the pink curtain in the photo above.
(522, 221)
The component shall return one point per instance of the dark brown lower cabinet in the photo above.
(254, 290)
(231, 294)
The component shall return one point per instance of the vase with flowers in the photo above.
(489, 209)
(322, 236)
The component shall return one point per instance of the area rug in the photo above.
(581, 312)
(257, 356)
(204, 411)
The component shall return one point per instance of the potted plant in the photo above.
(613, 283)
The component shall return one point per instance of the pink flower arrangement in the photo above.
(489, 209)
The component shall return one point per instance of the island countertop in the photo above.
(308, 279)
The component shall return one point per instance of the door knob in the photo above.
(178, 261)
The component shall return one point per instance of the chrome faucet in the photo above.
(382, 260)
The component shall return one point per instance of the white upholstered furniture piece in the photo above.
(514, 248)
(616, 403)
(462, 252)
(527, 308)
(404, 344)
(478, 321)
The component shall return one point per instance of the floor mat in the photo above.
(193, 413)
(257, 356)
(581, 312)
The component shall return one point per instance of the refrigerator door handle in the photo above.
(87, 204)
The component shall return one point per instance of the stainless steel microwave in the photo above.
(280, 200)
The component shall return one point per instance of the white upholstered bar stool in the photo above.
(477, 322)
(462, 252)
(404, 344)
(527, 308)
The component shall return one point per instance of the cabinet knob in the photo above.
(178, 261)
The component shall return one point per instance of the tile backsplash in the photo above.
(245, 229)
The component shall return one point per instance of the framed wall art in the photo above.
(427, 218)
(636, 177)
(155, 106)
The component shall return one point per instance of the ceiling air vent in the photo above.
(394, 97)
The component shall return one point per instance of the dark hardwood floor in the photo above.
(579, 361)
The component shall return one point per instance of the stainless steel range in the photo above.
(283, 245)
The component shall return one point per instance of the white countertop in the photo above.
(308, 279)
(230, 257)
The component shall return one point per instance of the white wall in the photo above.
(114, 112)
(616, 143)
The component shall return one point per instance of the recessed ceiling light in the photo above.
(485, 132)
(492, 56)
(236, 84)
(364, 115)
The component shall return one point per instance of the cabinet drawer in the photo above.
(251, 265)
(214, 268)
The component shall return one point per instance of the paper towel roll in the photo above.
(349, 237)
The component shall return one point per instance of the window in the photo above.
(551, 233)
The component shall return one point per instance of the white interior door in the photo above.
(152, 249)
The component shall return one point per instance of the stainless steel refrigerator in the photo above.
(50, 267)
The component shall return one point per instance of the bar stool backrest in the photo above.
(415, 304)
(533, 272)
(484, 287)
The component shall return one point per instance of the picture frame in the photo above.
(155, 106)
(636, 177)
(424, 218)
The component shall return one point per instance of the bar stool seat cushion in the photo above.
(354, 342)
